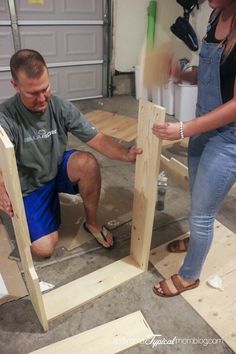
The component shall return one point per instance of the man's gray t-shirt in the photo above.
(40, 139)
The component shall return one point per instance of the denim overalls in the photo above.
(211, 160)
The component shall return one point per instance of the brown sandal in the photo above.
(175, 246)
(178, 285)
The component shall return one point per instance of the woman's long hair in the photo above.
(231, 42)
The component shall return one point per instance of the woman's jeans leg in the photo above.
(213, 173)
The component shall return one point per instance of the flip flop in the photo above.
(174, 246)
(100, 236)
(178, 285)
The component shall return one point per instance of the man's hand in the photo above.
(5, 203)
(133, 152)
(110, 148)
(167, 131)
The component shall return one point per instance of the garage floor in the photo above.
(20, 331)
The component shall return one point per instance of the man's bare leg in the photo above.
(44, 246)
(83, 169)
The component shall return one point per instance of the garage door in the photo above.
(72, 35)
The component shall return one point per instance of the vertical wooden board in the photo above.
(217, 308)
(145, 187)
(11, 180)
(110, 338)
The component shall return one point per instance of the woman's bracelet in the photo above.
(181, 130)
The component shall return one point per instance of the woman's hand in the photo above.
(167, 131)
(175, 71)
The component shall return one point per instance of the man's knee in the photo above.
(44, 246)
(82, 163)
(86, 160)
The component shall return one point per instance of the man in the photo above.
(37, 123)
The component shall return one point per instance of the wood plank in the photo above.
(130, 134)
(176, 170)
(217, 308)
(10, 175)
(89, 287)
(113, 124)
(155, 65)
(169, 143)
(145, 186)
(109, 338)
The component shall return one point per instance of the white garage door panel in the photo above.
(60, 9)
(71, 35)
(5, 82)
(6, 45)
(77, 81)
(64, 43)
(4, 15)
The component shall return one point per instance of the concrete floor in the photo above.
(20, 331)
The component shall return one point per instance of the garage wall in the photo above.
(130, 21)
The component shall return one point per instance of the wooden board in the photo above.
(217, 308)
(115, 125)
(176, 170)
(9, 271)
(145, 186)
(89, 287)
(112, 337)
(61, 300)
(156, 65)
(11, 180)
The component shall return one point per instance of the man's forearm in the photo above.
(109, 147)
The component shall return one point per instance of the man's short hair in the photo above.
(29, 61)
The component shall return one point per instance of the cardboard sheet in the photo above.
(12, 286)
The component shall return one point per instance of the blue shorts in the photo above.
(42, 206)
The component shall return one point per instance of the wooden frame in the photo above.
(60, 300)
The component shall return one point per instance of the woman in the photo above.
(212, 145)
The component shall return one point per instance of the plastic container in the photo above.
(185, 101)
(140, 91)
(168, 98)
(157, 96)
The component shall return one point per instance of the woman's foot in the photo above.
(174, 286)
(178, 246)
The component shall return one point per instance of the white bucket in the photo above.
(140, 91)
(157, 96)
(168, 98)
(185, 101)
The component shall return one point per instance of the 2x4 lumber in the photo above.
(145, 186)
(176, 170)
(90, 286)
(11, 180)
(109, 338)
